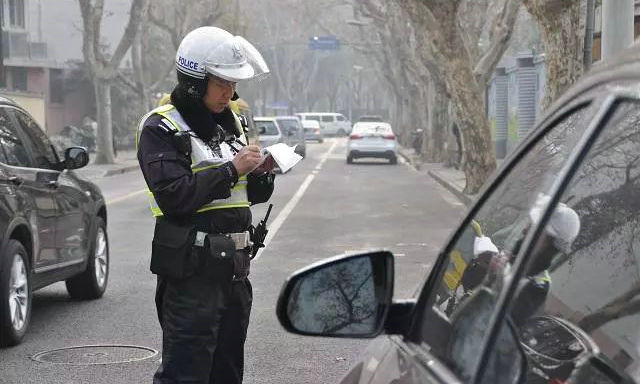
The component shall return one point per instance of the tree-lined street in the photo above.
(345, 208)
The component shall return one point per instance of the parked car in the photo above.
(53, 224)
(312, 130)
(372, 140)
(269, 131)
(293, 133)
(331, 124)
(582, 325)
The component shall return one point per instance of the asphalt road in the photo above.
(322, 208)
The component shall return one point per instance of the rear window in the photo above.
(311, 124)
(370, 118)
(266, 128)
(372, 128)
(289, 124)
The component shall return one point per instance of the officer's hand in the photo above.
(267, 166)
(247, 159)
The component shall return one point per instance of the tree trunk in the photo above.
(622, 306)
(104, 144)
(561, 26)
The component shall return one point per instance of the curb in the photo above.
(118, 171)
(464, 198)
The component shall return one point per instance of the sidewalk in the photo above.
(126, 161)
(450, 178)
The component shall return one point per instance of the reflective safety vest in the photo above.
(461, 256)
(202, 158)
(542, 278)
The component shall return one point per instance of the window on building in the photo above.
(19, 79)
(56, 91)
(16, 13)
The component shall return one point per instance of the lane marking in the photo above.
(291, 204)
(125, 197)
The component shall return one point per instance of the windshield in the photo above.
(267, 128)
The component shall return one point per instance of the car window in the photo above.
(340, 118)
(288, 125)
(268, 128)
(37, 141)
(372, 128)
(327, 119)
(312, 117)
(12, 145)
(497, 229)
(584, 274)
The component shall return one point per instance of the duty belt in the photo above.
(240, 239)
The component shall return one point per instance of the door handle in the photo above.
(52, 184)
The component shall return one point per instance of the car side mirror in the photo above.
(292, 132)
(344, 296)
(75, 157)
(261, 130)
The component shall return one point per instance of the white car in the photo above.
(372, 139)
(331, 124)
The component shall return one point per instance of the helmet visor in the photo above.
(236, 60)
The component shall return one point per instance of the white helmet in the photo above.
(564, 224)
(214, 51)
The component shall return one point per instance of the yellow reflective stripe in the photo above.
(476, 227)
(543, 277)
(244, 204)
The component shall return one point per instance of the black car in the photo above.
(540, 283)
(53, 224)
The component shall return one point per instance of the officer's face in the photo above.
(219, 92)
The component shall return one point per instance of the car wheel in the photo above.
(393, 160)
(15, 294)
(342, 132)
(92, 283)
(349, 159)
(320, 141)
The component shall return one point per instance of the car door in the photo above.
(591, 310)
(33, 194)
(73, 219)
(328, 124)
(450, 324)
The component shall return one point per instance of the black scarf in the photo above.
(197, 115)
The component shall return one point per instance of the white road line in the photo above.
(286, 211)
(125, 197)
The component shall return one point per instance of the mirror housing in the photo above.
(344, 296)
(75, 157)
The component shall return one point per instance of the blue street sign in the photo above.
(330, 43)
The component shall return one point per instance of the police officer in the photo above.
(202, 178)
(557, 238)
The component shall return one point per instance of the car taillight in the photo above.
(390, 136)
(355, 136)
(317, 131)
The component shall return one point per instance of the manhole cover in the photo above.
(95, 354)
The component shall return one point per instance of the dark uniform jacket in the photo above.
(178, 191)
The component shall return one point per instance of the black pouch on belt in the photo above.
(219, 252)
(172, 253)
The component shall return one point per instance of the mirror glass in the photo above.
(76, 157)
(337, 299)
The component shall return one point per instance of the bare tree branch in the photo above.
(502, 31)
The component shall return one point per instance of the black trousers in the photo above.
(204, 327)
